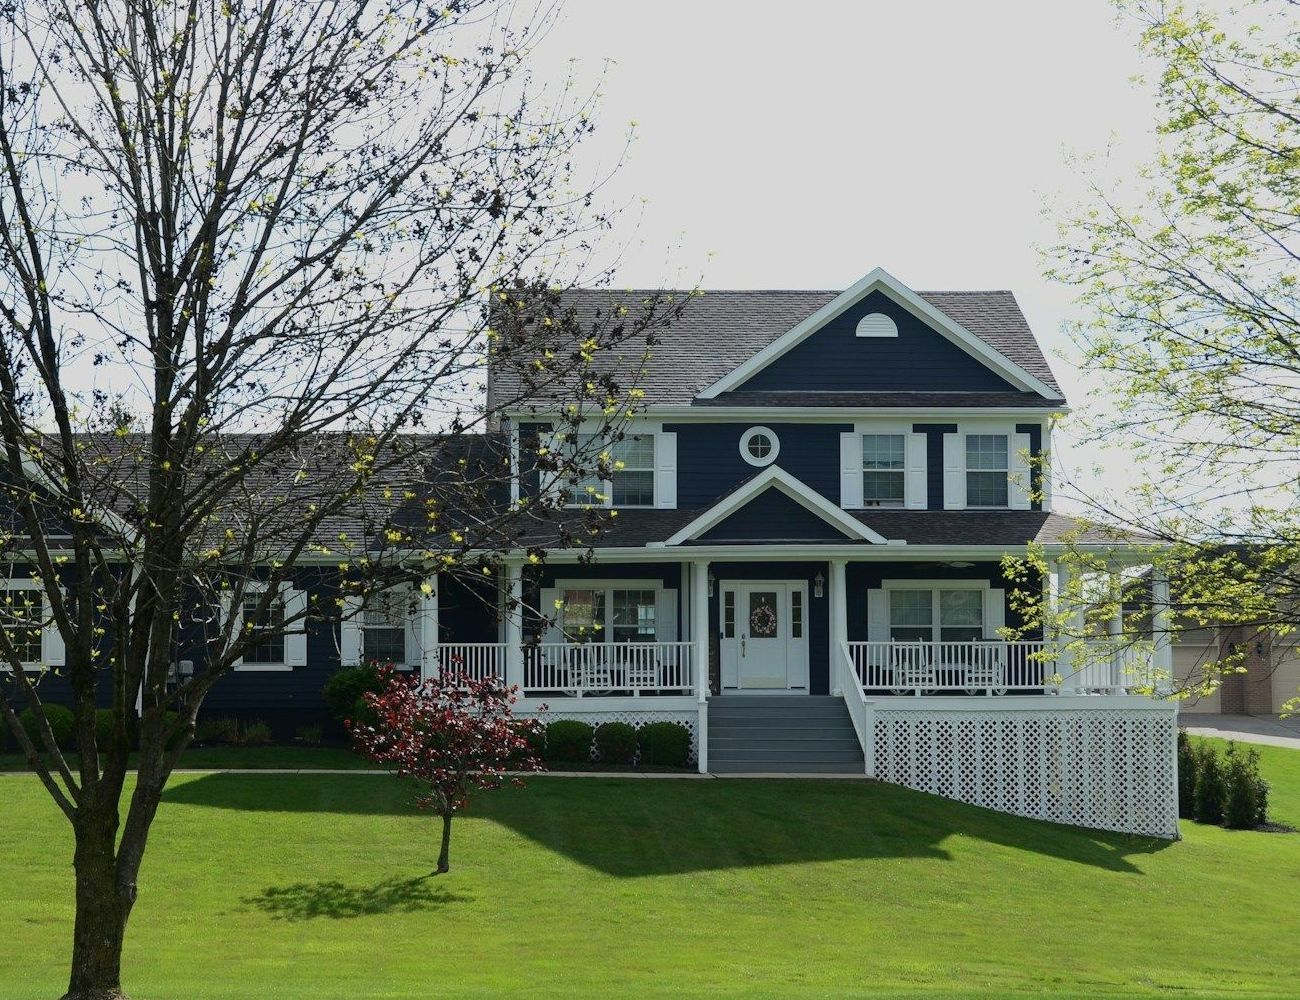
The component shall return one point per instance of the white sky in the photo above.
(798, 145)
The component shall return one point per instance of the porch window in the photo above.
(882, 470)
(584, 615)
(271, 649)
(632, 482)
(616, 615)
(986, 470)
(936, 615)
(634, 616)
(20, 617)
(383, 628)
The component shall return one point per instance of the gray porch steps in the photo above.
(782, 734)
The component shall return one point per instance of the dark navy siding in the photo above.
(934, 461)
(835, 360)
(467, 612)
(709, 465)
(818, 609)
(773, 516)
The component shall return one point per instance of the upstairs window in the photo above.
(632, 482)
(882, 470)
(20, 617)
(986, 470)
(271, 649)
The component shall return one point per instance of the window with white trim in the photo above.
(632, 473)
(986, 470)
(21, 614)
(271, 649)
(937, 614)
(759, 446)
(616, 614)
(383, 627)
(883, 470)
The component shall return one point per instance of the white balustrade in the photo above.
(602, 668)
(479, 660)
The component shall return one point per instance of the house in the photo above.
(805, 567)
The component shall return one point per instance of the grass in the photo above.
(308, 886)
(261, 758)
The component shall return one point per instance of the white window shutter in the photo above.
(237, 626)
(295, 639)
(550, 483)
(52, 649)
(1018, 487)
(350, 632)
(552, 632)
(414, 617)
(877, 616)
(850, 471)
(666, 616)
(954, 472)
(995, 615)
(916, 489)
(666, 470)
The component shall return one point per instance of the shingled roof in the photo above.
(721, 329)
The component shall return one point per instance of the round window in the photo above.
(759, 446)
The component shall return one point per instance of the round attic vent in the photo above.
(877, 325)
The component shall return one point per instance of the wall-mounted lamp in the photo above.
(819, 582)
(712, 581)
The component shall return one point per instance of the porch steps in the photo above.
(782, 734)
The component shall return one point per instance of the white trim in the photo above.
(801, 660)
(752, 433)
(27, 583)
(934, 586)
(683, 413)
(882, 281)
(775, 477)
(254, 587)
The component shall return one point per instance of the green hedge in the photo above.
(569, 740)
(61, 725)
(665, 743)
(616, 742)
(1225, 790)
(344, 689)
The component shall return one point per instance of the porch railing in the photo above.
(480, 660)
(599, 668)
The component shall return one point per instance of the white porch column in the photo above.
(512, 585)
(838, 608)
(1055, 591)
(1115, 631)
(429, 661)
(700, 656)
(1162, 651)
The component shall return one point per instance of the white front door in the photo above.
(764, 636)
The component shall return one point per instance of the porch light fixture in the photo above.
(712, 580)
(819, 582)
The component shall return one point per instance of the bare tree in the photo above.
(254, 260)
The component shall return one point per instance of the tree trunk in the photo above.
(444, 864)
(101, 913)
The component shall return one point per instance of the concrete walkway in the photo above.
(1268, 730)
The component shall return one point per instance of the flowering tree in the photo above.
(450, 735)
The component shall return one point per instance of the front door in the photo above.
(764, 636)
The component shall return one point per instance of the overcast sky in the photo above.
(799, 145)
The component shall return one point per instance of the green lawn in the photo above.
(306, 886)
(261, 758)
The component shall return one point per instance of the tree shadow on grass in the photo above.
(633, 828)
(336, 901)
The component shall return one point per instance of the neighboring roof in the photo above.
(722, 329)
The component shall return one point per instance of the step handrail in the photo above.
(861, 711)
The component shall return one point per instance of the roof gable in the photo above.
(920, 324)
(726, 514)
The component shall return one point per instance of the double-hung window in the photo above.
(632, 473)
(271, 649)
(882, 470)
(986, 470)
(947, 614)
(613, 615)
(21, 611)
(383, 627)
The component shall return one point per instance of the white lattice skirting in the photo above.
(687, 719)
(1105, 768)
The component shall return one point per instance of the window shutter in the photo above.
(877, 616)
(666, 470)
(1018, 466)
(237, 626)
(995, 616)
(414, 617)
(954, 472)
(916, 489)
(552, 632)
(666, 616)
(850, 471)
(350, 632)
(52, 649)
(550, 484)
(295, 640)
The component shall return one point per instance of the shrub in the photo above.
(220, 730)
(1186, 776)
(61, 725)
(569, 740)
(665, 743)
(103, 727)
(1207, 792)
(257, 734)
(1245, 793)
(344, 689)
(312, 735)
(616, 742)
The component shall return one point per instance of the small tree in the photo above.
(450, 735)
